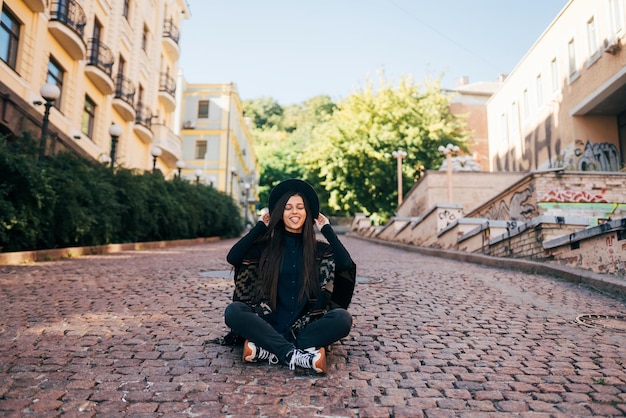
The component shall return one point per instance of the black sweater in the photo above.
(289, 307)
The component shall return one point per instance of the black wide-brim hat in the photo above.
(293, 186)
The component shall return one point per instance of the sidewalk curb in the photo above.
(604, 283)
(26, 257)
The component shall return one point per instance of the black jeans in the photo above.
(333, 326)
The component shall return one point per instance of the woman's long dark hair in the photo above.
(273, 254)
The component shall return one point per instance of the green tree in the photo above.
(351, 152)
(280, 139)
(265, 113)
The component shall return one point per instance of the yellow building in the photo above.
(564, 104)
(114, 63)
(218, 148)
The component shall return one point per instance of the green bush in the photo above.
(69, 201)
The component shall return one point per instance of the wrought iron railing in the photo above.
(70, 13)
(100, 56)
(170, 30)
(124, 89)
(167, 84)
(143, 116)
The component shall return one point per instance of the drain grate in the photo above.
(218, 274)
(612, 322)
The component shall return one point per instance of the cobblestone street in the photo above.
(127, 334)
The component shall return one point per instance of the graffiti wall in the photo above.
(541, 150)
(518, 205)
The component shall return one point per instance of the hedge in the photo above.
(66, 201)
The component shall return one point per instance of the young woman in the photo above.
(291, 290)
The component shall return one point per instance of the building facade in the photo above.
(564, 104)
(218, 148)
(114, 63)
(469, 101)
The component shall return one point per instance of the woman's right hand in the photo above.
(265, 218)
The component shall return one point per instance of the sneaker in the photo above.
(309, 359)
(252, 353)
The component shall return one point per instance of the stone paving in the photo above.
(126, 335)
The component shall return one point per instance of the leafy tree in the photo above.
(351, 153)
(279, 141)
(265, 113)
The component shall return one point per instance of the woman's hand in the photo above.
(321, 221)
(265, 218)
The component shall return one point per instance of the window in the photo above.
(539, 91)
(203, 109)
(525, 104)
(126, 9)
(514, 117)
(615, 9)
(55, 76)
(571, 50)
(592, 37)
(144, 39)
(554, 69)
(9, 37)
(89, 117)
(200, 150)
(504, 129)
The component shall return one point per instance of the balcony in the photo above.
(36, 6)
(167, 91)
(123, 101)
(100, 66)
(67, 25)
(171, 35)
(143, 123)
(169, 142)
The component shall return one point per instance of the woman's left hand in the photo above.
(321, 221)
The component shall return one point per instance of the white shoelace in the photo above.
(266, 355)
(300, 358)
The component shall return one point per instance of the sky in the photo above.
(293, 50)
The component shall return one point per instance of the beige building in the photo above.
(218, 148)
(564, 104)
(114, 62)
(469, 100)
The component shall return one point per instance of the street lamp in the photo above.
(180, 164)
(104, 159)
(115, 131)
(155, 151)
(198, 174)
(448, 150)
(49, 92)
(399, 155)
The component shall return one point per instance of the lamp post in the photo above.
(155, 151)
(246, 203)
(448, 150)
(399, 155)
(198, 174)
(233, 174)
(180, 164)
(49, 92)
(115, 131)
